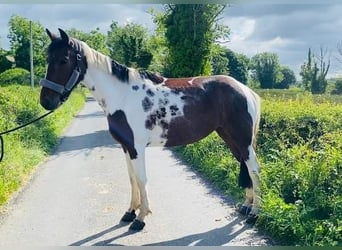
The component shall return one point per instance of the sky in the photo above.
(286, 28)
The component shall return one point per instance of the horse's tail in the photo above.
(244, 177)
(257, 103)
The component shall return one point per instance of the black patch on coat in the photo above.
(173, 109)
(150, 93)
(122, 132)
(135, 87)
(92, 88)
(144, 86)
(163, 102)
(147, 104)
(175, 91)
(151, 121)
(120, 71)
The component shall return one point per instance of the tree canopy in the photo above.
(191, 30)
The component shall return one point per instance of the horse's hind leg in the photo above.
(254, 172)
(249, 172)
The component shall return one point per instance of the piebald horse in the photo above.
(145, 109)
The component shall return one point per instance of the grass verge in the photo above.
(25, 148)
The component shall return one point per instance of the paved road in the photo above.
(79, 194)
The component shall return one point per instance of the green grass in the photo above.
(299, 147)
(25, 148)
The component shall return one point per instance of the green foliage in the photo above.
(219, 61)
(95, 39)
(338, 87)
(15, 76)
(129, 45)
(238, 66)
(158, 43)
(25, 148)
(191, 30)
(299, 147)
(289, 78)
(266, 69)
(314, 72)
(4, 63)
(19, 35)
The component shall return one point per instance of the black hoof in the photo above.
(137, 225)
(244, 210)
(128, 216)
(251, 218)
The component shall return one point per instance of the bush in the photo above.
(15, 76)
(338, 88)
(299, 147)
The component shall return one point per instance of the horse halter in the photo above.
(65, 90)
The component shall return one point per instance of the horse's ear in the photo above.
(52, 36)
(64, 36)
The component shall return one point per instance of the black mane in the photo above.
(120, 71)
(156, 79)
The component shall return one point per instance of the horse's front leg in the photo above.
(138, 166)
(130, 215)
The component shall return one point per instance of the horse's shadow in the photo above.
(102, 233)
(215, 237)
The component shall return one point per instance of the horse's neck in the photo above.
(107, 89)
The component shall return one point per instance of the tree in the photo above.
(19, 36)
(289, 78)
(5, 64)
(95, 39)
(314, 72)
(238, 66)
(191, 30)
(219, 61)
(266, 69)
(130, 45)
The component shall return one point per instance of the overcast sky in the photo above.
(286, 29)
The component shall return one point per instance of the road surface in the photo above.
(78, 195)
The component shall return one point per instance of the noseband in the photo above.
(65, 90)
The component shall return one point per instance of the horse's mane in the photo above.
(156, 79)
(122, 72)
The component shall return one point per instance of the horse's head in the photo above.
(66, 68)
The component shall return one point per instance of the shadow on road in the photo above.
(100, 234)
(214, 237)
(100, 138)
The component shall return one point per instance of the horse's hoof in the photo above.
(128, 216)
(244, 210)
(252, 218)
(137, 225)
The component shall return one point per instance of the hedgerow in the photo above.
(25, 148)
(300, 150)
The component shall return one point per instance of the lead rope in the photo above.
(17, 128)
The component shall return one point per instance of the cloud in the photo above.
(288, 29)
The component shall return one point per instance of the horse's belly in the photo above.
(183, 131)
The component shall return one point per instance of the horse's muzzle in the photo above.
(49, 101)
